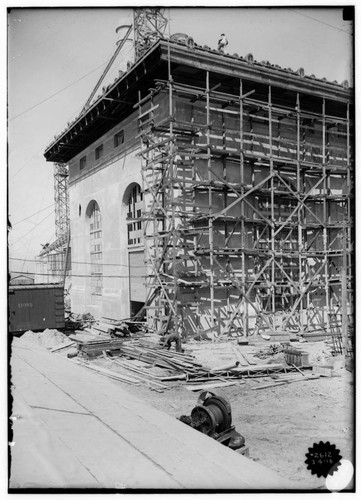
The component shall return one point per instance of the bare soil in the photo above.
(279, 423)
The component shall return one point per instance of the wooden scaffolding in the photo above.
(248, 209)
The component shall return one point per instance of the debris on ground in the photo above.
(93, 348)
(270, 351)
(75, 321)
(126, 351)
(107, 326)
(203, 364)
(229, 367)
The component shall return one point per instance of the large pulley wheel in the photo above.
(212, 414)
(203, 420)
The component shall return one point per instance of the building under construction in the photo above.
(215, 193)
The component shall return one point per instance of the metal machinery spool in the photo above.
(213, 416)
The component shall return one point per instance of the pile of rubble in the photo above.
(47, 338)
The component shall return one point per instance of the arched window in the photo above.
(135, 205)
(96, 251)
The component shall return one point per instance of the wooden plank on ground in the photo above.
(294, 366)
(62, 346)
(110, 373)
(284, 382)
(205, 387)
(239, 356)
(250, 361)
(255, 368)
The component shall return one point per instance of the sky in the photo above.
(55, 57)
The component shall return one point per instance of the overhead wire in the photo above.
(80, 108)
(32, 215)
(27, 163)
(41, 203)
(74, 115)
(32, 229)
(82, 275)
(83, 262)
(44, 230)
(95, 69)
(50, 35)
(16, 173)
(84, 76)
(319, 21)
(56, 93)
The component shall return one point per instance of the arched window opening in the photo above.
(96, 251)
(135, 205)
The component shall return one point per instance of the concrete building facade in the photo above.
(215, 190)
(108, 183)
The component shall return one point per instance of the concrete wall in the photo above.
(107, 182)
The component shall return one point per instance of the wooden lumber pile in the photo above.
(111, 330)
(176, 365)
(139, 374)
(111, 374)
(107, 326)
(173, 361)
(124, 327)
(94, 348)
(78, 321)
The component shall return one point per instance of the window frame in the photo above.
(118, 139)
(96, 251)
(99, 152)
(135, 205)
(82, 162)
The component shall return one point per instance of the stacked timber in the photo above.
(106, 329)
(75, 321)
(119, 342)
(172, 361)
(95, 348)
(133, 361)
(107, 326)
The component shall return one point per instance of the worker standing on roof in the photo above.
(222, 42)
(166, 341)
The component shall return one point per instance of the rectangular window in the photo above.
(119, 139)
(99, 152)
(82, 162)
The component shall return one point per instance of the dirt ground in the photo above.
(279, 423)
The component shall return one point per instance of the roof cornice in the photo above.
(70, 142)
